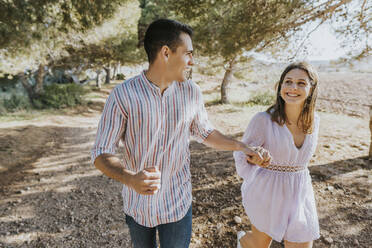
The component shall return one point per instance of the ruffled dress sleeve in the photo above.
(254, 136)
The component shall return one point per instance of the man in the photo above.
(154, 114)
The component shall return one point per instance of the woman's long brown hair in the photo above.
(306, 118)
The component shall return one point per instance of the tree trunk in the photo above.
(226, 81)
(39, 81)
(116, 67)
(119, 69)
(370, 128)
(33, 92)
(107, 70)
(27, 86)
(98, 83)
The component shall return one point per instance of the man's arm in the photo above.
(145, 182)
(110, 129)
(219, 141)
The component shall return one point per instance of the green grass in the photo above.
(264, 98)
(215, 101)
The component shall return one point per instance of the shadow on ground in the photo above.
(51, 195)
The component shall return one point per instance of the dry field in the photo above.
(51, 196)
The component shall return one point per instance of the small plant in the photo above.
(240, 74)
(15, 103)
(263, 98)
(120, 76)
(215, 101)
(260, 98)
(62, 95)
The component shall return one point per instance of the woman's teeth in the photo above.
(289, 94)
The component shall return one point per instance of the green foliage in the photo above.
(120, 76)
(263, 98)
(111, 43)
(50, 32)
(207, 66)
(228, 28)
(61, 96)
(14, 103)
(150, 11)
(213, 102)
(240, 74)
(354, 26)
(208, 70)
(23, 22)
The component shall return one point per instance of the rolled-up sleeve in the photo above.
(200, 127)
(110, 128)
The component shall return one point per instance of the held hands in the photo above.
(147, 181)
(258, 156)
(261, 157)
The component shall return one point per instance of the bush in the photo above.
(263, 98)
(240, 74)
(61, 95)
(120, 76)
(260, 98)
(15, 102)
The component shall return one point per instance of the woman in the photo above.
(278, 197)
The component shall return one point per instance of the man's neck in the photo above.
(156, 76)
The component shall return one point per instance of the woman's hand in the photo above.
(260, 156)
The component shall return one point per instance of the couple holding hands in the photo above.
(154, 114)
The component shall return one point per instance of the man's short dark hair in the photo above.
(164, 32)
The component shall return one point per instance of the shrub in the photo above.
(263, 98)
(240, 74)
(260, 98)
(120, 76)
(15, 102)
(61, 95)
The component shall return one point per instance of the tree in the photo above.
(353, 26)
(113, 43)
(152, 10)
(33, 33)
(227, 29)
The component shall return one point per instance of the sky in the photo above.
(323, 44)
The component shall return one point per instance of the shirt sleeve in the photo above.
(254, 135)
(110, 128)
(200, 126)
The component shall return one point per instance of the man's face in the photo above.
(180, 61)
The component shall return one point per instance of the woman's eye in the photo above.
(302, 84)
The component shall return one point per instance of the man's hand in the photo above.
(146, 182)
(257, 155)
(261, 157)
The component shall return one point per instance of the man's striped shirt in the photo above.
(155, 130)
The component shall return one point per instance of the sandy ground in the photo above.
(51, 196)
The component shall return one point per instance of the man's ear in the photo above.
(164, 52)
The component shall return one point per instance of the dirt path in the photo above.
(55, 197)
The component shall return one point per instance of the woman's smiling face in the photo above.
(296, 87)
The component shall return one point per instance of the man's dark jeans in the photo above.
(171, 235)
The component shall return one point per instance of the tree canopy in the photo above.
(227, 29)
(38, 31)
(81, 34)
